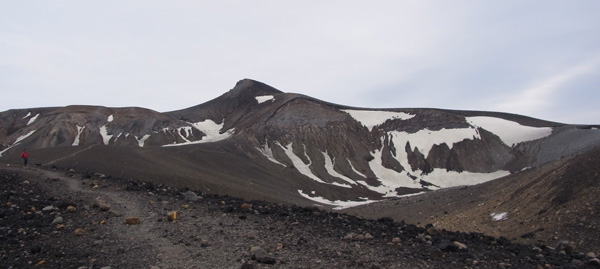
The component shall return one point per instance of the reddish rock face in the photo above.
(258, 142)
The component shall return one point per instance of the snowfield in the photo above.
(445, 179)
(337, 204)
(264, 98)
(370, 118)
(208, 127)
(510, 132)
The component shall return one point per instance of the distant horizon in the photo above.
(524, 57)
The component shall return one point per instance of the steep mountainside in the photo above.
(557, 201)
(258, 142)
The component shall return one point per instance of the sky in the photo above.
(537, 58)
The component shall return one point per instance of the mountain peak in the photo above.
(250, 87)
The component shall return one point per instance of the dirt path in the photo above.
(222, 232)
(125, 204)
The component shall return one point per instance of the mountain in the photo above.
(257, 142)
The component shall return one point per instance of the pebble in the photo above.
(591, 255)
(133, 221)
(71, 208)
(172, 216)
(48, 208)
(459, 245)
(58, 220)
(190, 196)
(79, 231)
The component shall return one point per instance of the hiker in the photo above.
(25, 157)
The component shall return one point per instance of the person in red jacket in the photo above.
(25, 157)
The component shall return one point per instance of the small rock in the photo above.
(576, 262)
(106, 267)
(185, 206)
(266, 260)
(368, 236)
(248, 266)
(102, 204)
(504, 265)
(349, 236)
(71, 208)
(396, 240)
(257, 252)
(594, 262)
(246, 206)
(459, 245)
(133, 221)
(172, 216)
(79, 231)
(58, 220)
(591, 255)
(567, 246)
(48, 208)
(190, 196)
(102, 222)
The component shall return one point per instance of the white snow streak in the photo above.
(264, 98)
(142, 140)
(79, 131)
(329, 166)
(268, 153)
(499, 216)
(510, 132)
(19, 139)
(105, 136)
(32, 119)
(338, 204)
(356, 171)
(370, 118)
(28, 114)
(300, 165)
(110, 118)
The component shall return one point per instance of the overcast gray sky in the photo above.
(538, 58)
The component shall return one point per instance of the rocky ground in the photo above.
(64, 219)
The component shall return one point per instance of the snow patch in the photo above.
(17, 141)
(32, 119)
(390, 179)
(79, 131)
(268, 153)
(425, 139)
(510, 132)
(337, 204)
(105, 136)
(329, 167)
(110, 118)
(499, 216)
(28, 114)
(445, 179)
(264, 98)
(370, 118)
(208, 127)
(142, 140)
(299, 164)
